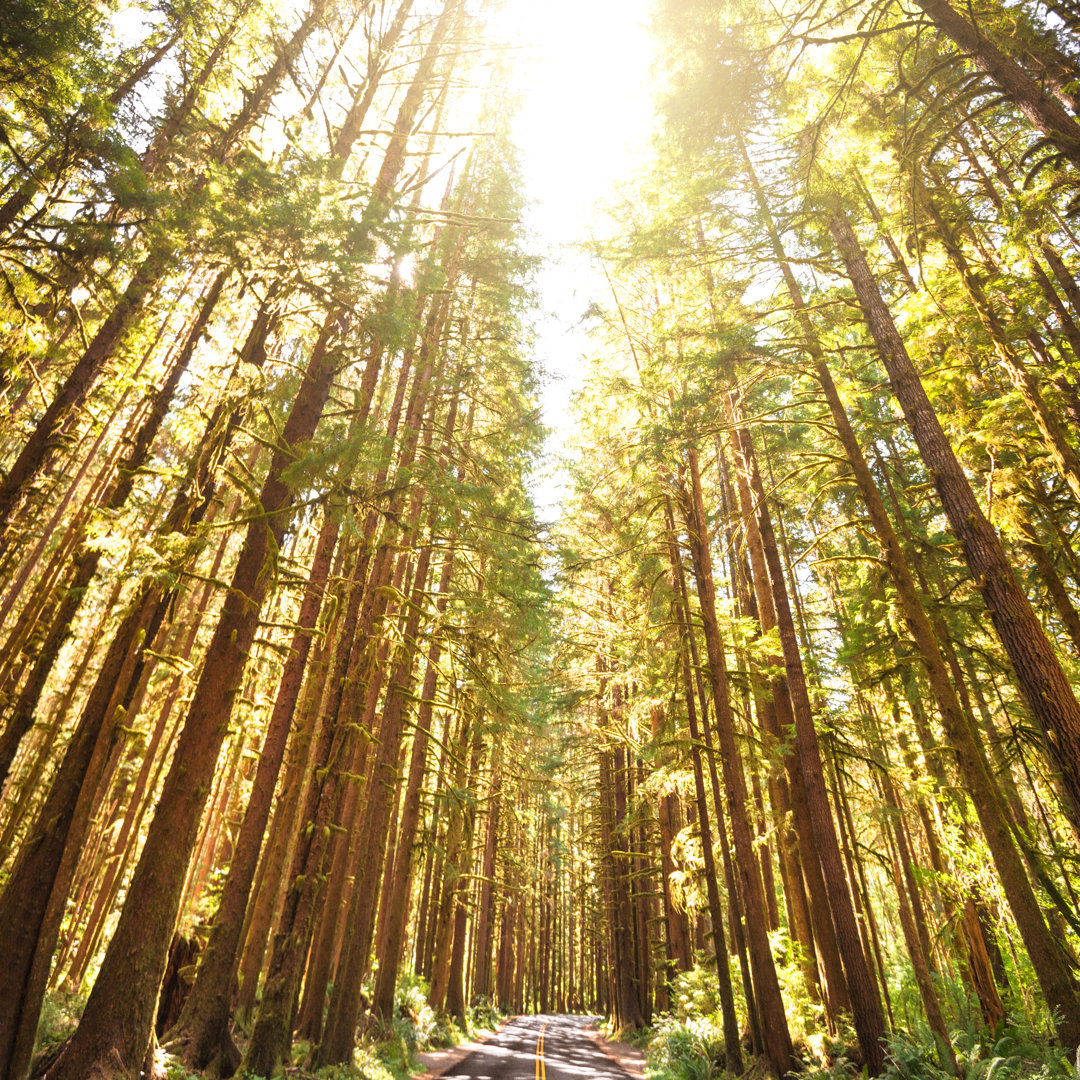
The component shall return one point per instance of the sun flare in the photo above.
(585, 118)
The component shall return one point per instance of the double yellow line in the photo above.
(541, 1068)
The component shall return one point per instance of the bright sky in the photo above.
(585, 119)
(582, 75)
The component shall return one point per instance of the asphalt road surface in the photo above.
(539, 1048)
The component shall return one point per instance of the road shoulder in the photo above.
(437, 1062)
(629, 1058)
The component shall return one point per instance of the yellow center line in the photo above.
(541, 1068)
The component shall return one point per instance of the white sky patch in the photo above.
(131, 23)
(581, 71)
(406, 269)
(585, 118)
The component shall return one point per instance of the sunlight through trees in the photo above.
(320, 748)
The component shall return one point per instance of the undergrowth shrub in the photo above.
(690, 1049)
(60, 1014)
(695, 993)
(1010, 1053)
(483, 1016)
(414, 1019)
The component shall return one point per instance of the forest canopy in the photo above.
(322, 742)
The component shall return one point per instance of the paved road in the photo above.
(539, 1048)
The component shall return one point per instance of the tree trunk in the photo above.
(202, 1031)
(1044, 112)
(1039, 674)
(774, 1030)
(1056, 444)
(336, 1046)
(397, 912)
(442, 928)
(87, 559)
(39, 449)
(865, 1003)
(732, 1045)
(485, 914)
(117, 1025)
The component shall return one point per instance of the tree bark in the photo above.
(865, 1002)
(397, 913)
(774, 1029)
(1039, 674)
(1044, 112)
(201, 1033)
(116, 1027)
(732, 1044)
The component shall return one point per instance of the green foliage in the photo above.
(388, 1051)
(688, 1043)
(416, 1025)
(695, 992)
(59, 1016)
(371, 1061)
(46, 51)
(175, 1071)
(804, 1015)
(838, 1068)
(483, 1016)
(1010, 1053)
(690, 1049)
